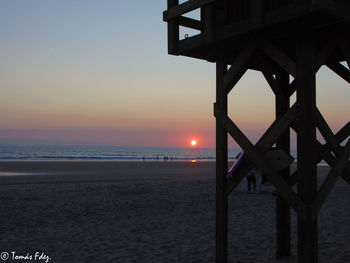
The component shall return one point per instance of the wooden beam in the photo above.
(324, 54)
(239, 66)
(272, 82)
(340, 11)
(173, 31)
(333, 141)
(190, 23)
(327, 133)
(331, 160)
(292, 88)
(306, 145)
(280, 92)
(256, 156)
(293, 179)
(184, 8)
(264, 143)
(330, 181)
(343, 133)
(257, 9)
(324, 153)
(342, 71)
(232, 30)
(221, 168)
(191, 43)
(283, 228)
(346, 51)
(207, 18)
(278, 56)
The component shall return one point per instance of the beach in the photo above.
(106, 211)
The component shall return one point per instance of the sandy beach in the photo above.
(146, 212)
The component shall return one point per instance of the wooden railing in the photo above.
(174, 17)
(216, 17)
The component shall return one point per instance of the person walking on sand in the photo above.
(258, 180)
(249, 182)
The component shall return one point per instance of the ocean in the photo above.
(80, 152)
(113, 153)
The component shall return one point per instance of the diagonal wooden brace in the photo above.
(330, 181)
(256, 156)
(239, 66)
(324, 153)
(332, 142)
(264, 143)
(342, 71)
(346, 51)
(280, 93)
(322, 57)
(327, 133)
(277, 55)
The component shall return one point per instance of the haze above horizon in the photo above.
(98, 72)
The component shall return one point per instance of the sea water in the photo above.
(84, 152)
(81, 152)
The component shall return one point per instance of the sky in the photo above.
(98, 73)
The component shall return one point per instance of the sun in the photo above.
(193, 142)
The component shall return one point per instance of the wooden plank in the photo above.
(306, 145)
(330, 181)
(183, 8)
(283, 223)
(221, 169)
(264, 143)
(278, 56)
(190, 23)
(256, 156)
(239, 66)
(342, 71)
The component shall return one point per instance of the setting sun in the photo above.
(193, 142)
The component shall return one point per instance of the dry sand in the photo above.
(146, 212)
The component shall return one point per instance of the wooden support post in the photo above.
(306, 143)
(207, 18)
(283, 142)
(257, 8)
(221, 168)
(173, 30)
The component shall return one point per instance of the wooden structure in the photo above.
(287, 41)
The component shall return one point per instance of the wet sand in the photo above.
(146, 212)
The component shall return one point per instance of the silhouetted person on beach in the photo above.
(258, 180)
(249, 182)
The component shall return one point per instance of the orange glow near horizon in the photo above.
(193, 143)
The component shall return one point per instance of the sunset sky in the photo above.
(97, 72)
